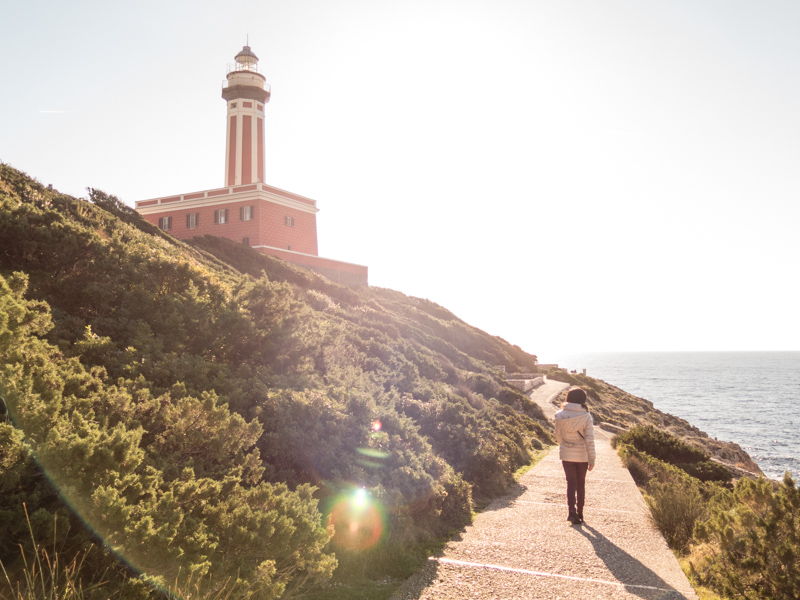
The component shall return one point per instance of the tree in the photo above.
(755, 541)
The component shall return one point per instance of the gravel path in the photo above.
(522, 547)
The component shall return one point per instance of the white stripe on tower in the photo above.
(244, 144)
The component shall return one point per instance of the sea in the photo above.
(750, 398)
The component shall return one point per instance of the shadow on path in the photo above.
(507, 500)
(413, 587)
(637, 578)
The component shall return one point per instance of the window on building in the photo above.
(245, 213)
(221, 216)
(233, 104)
(290, 221)
(165, 223)
(246, 241)
(192, 220)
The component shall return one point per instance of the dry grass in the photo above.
(674, 508)
(40, 574)
(539, 455)
(44, 575)
(689, 564)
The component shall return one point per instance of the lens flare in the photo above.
(373, 453)
(360, 498)
(357, 520)
(371, 457)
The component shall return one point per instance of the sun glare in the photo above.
(357, 520)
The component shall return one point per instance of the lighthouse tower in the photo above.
(246, 93)
(247, 210)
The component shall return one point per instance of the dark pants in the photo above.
(576, 485)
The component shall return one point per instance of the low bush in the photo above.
(662, 445)
(639, 469)
(671, 450)
(648, 468)
(677, 500)
(675, 507)
(707, 470)
(750, 545)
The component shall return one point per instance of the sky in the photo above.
(572, 176)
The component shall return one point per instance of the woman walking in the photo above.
(575, 435)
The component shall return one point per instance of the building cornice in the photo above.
(243, 193)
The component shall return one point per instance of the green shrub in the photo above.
(707, 470)
(483, 385)
(563, 376)
(639, 469)
(670, 449)
(676, 499)
(675, 507)
(662, 445)
(648, 467)
(181, 499)
(752, 541)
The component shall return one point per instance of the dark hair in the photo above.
(577, 395)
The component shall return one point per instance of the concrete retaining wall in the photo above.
(526, 385)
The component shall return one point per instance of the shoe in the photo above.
(580, 518)
(573, 518)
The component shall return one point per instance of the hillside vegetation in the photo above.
(178, 413)
(741, 540)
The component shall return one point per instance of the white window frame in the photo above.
(165, 223)
(221, 216)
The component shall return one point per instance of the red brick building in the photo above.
(247, 210)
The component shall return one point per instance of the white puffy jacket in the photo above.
(575, 433)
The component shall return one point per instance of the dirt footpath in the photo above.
(522, 547)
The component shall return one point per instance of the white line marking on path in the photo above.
(588, 479)
(630, 512)
(464, 563)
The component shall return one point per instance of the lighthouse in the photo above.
(247, 210)
(246, 92)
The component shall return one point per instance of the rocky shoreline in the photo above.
(616, 410)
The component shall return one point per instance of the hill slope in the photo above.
(209, 410)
